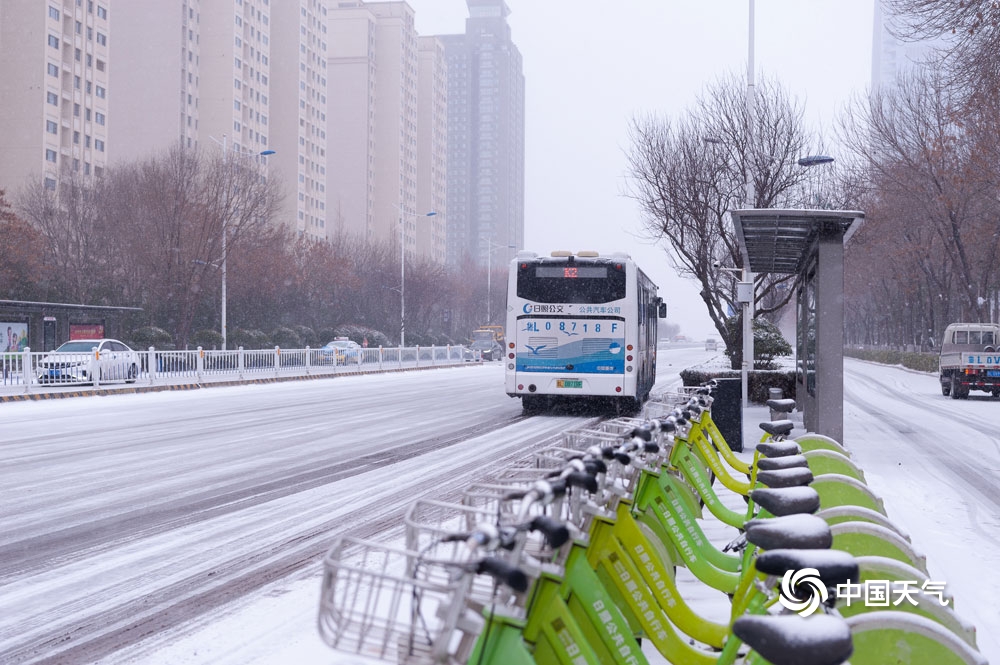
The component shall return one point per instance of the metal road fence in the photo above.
(29, 371)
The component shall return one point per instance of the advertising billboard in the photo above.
(13, 336)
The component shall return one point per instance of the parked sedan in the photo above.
(76, 362)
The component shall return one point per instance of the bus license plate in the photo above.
(569, 383)
(993, 372)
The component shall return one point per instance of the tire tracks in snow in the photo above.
(374, 514)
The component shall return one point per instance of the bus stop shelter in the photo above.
(42, 326)
(810, 244)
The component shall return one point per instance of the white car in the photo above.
(77, 362)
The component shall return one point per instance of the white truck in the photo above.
(970, 359)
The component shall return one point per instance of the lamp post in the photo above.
(489, 279)
(225, 234)
(403, 215)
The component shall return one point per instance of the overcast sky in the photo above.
(591, 66)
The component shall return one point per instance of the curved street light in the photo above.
(225, 253)
(402, 267)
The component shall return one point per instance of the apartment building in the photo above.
(54, 90)
(485, 137)
(156, 78)
(234, 93)
(386, 129)
(298, 113)
(432, 147)
(350, 120)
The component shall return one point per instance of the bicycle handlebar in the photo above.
(503, 572)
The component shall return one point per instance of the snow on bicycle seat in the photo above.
(833, 566)
(786, 462)
(803, 532)
(786, 500)
(793, 477)
(778, 427)
(778, 448)
(781, 405)
(789, 639)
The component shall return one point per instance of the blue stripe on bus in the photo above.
(591, 365)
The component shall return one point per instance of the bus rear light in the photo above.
(511, 345)
(628, 358)
(510, 366)
(520, 386)
(629, 347)
(618, 389)
(510, 355)
(628, 368)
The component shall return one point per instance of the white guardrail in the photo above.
(29, 371)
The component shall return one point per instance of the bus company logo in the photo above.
(543, 309)
(797, 583)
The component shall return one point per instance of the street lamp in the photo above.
(225, 219)
(402, 267)
(489, 279)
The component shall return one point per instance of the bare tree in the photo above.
(21, 248)
(971, 51)
(688, 174)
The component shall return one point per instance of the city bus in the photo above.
(580, 326)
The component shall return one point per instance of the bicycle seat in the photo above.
(793, 477)
(781, 405)
(778, 427)
(802, 532)
(786, 500)
(789, 639)
(786, 462)
(834, 566)
(778, 448)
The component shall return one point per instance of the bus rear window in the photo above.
(565, 283)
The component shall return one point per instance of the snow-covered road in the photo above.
(187, 527)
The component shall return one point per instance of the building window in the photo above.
(54, 13)
(102, 12)
(50, 155)
(99, 118)
(102, 39)
(100, 65)
(51, 127)
(99, 145)
(101, 92)
(76, 110)
(86, 141)
(76, 82)
(52, 98)
(53, 70)
(50, 183)
(53, 41)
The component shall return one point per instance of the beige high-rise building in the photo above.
(156, 79)
(350, 120)
(386, 148)
(432, 147)
(54, 90)
(298, 112)
(235, 75)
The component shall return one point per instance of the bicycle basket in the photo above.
(377, 602)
